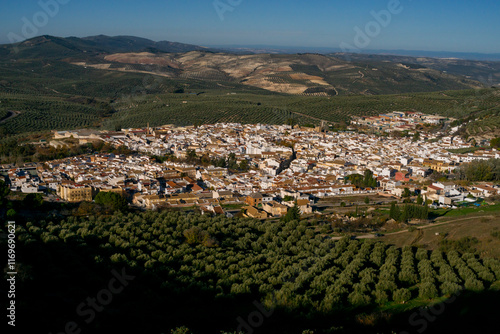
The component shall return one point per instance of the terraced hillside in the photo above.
(55, 83)
(198, 101)
(302, 74)
(488, 72)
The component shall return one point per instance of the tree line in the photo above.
(192, 266)
(408, 212)
(480, 170)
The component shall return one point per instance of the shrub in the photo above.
(11, 213)
(381, 297)
(401, 295)
(463, 245)
(495, 234)
(448, 288)
(111, 201)
(427, 290)
(474, 285)
(359, 299)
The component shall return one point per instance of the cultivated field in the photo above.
(477, 225)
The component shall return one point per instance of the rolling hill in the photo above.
(302, 74)
(51, 47)
(487, 72)
(61, 83)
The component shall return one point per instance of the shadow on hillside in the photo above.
(56, 277)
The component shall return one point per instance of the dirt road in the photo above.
(11, 114)
(372, 235)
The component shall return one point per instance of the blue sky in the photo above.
(444, 25)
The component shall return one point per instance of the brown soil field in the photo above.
(429, 237)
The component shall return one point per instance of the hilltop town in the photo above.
(263, 169)
(399, 121)
(223, 167)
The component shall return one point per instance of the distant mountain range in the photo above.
(281, 72)
(57, 47)
(487, 72)
(327, 50)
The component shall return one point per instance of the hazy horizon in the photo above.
(447, 26)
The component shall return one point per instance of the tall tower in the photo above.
(324, 126)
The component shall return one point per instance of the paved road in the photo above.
(12, 114)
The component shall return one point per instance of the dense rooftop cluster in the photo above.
(284, 162)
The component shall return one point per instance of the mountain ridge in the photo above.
(394, 52)
(101, 44)
(302, 74)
